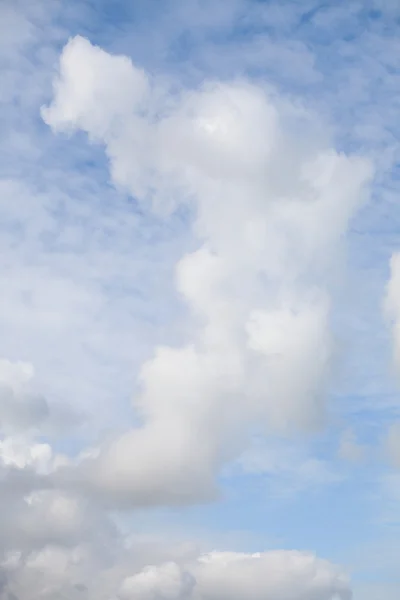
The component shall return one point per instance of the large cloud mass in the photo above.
(280, 575)
(270, 202)
(275, 575)
(267, 201)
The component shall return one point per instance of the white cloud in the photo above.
(281, 575)
(270, 208)
(167, 582)
(17, 452)
(245, 164)
(93, 100)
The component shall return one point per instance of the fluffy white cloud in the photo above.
(21, 453)
(89, 95)
(167, 582)
(279, 575)
(270, 207)
(82, 572)
(267, 201)
(31, 514)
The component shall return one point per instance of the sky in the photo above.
(200, 300)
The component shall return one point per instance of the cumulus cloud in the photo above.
(32, 514)
(281, 575)
(269, 201)
(167, 582)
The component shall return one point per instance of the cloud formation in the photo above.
(222, 575)
(279, 575)
(242, 188)
(268, 213)
(266, 201)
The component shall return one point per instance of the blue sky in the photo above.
(128, 275)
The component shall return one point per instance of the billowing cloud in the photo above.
(268, 208)
(276, 574)
(167, 582)
(266, 201)
(279, 575)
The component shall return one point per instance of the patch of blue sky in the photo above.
(332, 520)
